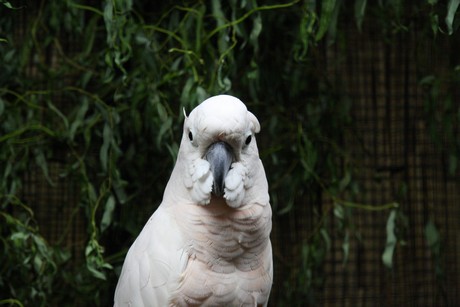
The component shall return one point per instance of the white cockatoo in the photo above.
(208, 242)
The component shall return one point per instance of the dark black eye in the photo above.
(190, 135)
(248, 140)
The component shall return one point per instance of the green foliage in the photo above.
(29, 264)
(307, 275)
(101, 89)
(442, 114)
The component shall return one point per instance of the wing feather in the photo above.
(153, 263)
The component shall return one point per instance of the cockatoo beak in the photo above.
(220, 156)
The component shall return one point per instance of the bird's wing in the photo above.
(152, 264)
(198, 247)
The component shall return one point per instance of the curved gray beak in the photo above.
(220, 156)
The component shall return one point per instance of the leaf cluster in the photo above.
(98, 89)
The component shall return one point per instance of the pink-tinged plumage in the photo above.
(199, 249)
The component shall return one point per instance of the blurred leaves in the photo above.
(307, 275)
(98, 88)
(433, 239)
(95, 261)
(26, 255)
(442, 115)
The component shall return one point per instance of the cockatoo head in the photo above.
(222, 132)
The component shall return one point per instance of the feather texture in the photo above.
(199, 249)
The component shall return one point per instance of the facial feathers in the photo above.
(208, 242)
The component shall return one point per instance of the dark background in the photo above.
(359, 107)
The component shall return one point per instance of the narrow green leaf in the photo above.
(90, 31)
(95, 272)
(451, 11)
(332, 30)
(339, 212)
(136, 120)
(287, 208)
(59, 113)
(345, 181)
(306, 31)
(79, 119)
(10, 6)
(387, 256)
(7, 4)
(38, 263)
(42, 163)
(433, 239)
(11, 302)
(108, 213)
(34, 127)
(224, 82)
(92, 195)
(201, 93)
(186, 92)
(124, 5)
(256, 30)
(104, 151)
(108, 18)
(434, 18)
(219, 17)
(346, 247)
(164, 128)
(85, 7)
(162, 113)
(9, 56)
(327, 9)
(18, 236)
(360, 9)
(432, 236)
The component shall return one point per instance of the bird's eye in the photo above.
(190, 135)
(248, 140)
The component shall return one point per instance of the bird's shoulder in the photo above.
(153, 262)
